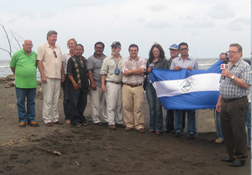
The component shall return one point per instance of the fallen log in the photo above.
(48, 150)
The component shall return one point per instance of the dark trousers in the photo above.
(78, 103)
(66, 101)
(233, 118)
(170, 119)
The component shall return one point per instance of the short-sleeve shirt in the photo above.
(94, 63)
(82, 66)
(108, 68)
(190, 61)
(51, 65)
(25, 69)
(228, 89)
(66, 57)
(129, 64)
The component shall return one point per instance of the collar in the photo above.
(98, 57)
(25, 52)
(135, 59)
(237, 63)
(48, 45)
(180, 58)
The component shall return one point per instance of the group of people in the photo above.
(117, 87)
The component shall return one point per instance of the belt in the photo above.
(232, 99)
(114, 82)
(133, 85)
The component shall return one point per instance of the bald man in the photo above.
(23, 65)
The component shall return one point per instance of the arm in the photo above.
(103, 78)
(40, 66)
(134, 72)
(239, 82)
(75, 85)
(13, 70)
(91, 78)
(62, 73)
(218, 105)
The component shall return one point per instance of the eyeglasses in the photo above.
(183, 49)
(55, 54)
(114, 47)
(99, 48)
(232, 52)
(155, 51)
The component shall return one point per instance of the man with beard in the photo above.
(133, 68)
(111, 83)
(77, 74)
(97, 96)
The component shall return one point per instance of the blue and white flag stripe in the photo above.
(187, 89)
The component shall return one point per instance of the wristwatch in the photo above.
(232, 77)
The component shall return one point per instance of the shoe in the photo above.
(249, 148)
(226, 159)
(158, 132)
(98, 123)
(49, 124)
(218, 141)
(236, 163)
(112, 127)
(173, 132)
(191, 136)
(85, 123)
(121, 125)
(151, 131)
(68, 122)
(128, 129)
(33, 123)
(22, 124)
(78, 125)
(168, 131)
(58, 123)
(178, 134)
(141, 130)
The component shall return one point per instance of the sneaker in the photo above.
(78, 125)
(178, 134)
(112, 127)
(22, 124)
(218, 141)
(85, 123)
(33, 123)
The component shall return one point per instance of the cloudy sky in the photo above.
(207, 26)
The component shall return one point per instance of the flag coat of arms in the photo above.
(187, 89)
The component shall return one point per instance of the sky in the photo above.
(209, 27)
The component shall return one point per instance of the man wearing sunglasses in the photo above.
(50, 64)
(189, 63)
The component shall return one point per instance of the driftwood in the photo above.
(48, 150)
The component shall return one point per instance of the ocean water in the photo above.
(5, 66)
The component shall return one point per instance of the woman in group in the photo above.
(156, 60)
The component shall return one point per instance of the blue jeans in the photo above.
(248, 124)
(190, 121)
(78, 103)
(30, 94)
(218, 125)
(155, 107)
(66, 101)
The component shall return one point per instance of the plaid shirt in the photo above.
(130, 64)
(228, 89)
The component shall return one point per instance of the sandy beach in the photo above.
(94, 149)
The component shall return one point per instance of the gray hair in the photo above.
(50, 33)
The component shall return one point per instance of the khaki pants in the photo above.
(98, 106)
(114, 103)
(233, 118)
(132, 99)
(51, 91)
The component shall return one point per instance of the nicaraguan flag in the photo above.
(187, 89)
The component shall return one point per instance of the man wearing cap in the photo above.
(50, 64)
(97, 96)
(189, 63)
(133, 68)
(233, 105)
(111, 83)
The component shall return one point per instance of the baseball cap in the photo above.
(174, 47)
(116, 44)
